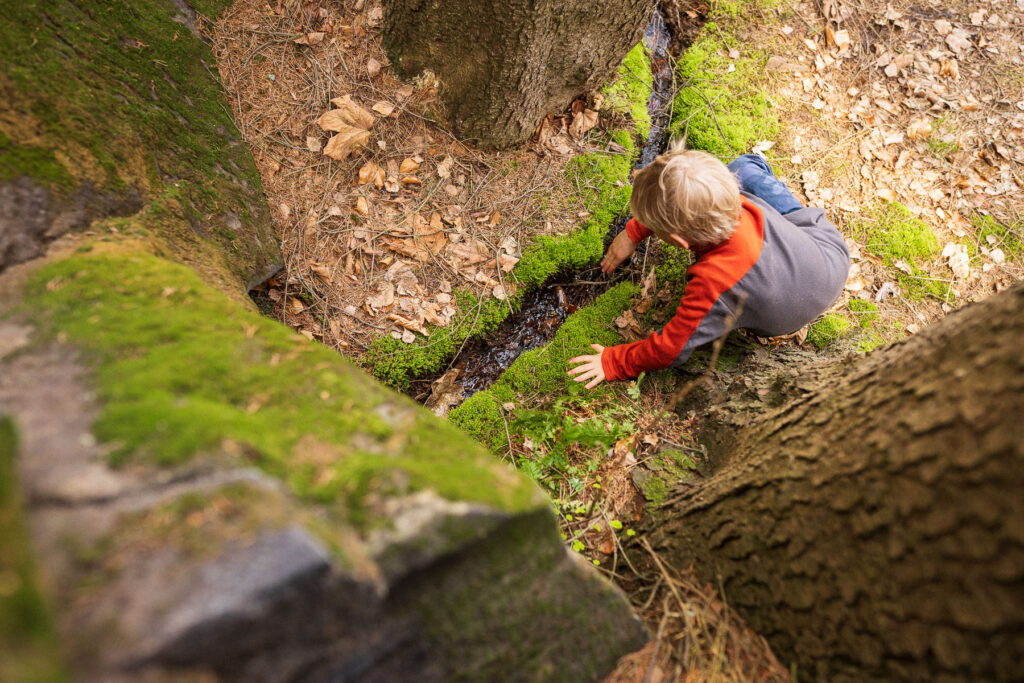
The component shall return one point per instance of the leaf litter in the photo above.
(381, 212)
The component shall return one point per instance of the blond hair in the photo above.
(687, 193)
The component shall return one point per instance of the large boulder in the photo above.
(205, 492)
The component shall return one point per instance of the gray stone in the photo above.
(227, 608)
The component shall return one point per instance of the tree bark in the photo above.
(504, 64)
(873, 529)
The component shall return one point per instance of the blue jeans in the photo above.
(755, 177)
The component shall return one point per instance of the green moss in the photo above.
(605, 179)
(181, 369)
(490, 604)
(655, 490)
(631, 90)
(864, 312)
(664, 470)
(1009, 238)
(828, 329)
(33, 162)
(27, 637)
(718, 110)
(671, 271)
(123, 99)
(869, 340)
(543, 371)
(942, 127)
(891, 232)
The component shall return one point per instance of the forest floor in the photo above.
(904, 119)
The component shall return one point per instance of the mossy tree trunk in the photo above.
(873, 529)
(504, 64)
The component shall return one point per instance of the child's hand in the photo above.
(591, 367)
(622, 248)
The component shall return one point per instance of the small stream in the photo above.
(482, 360)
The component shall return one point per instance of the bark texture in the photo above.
(504, 64)
(873, 529)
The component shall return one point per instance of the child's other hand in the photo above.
(622, 248)
(591, 367)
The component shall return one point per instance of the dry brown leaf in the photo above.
(629, 326)
(295, 305)
(959, 41)
(345, 142)
(837, 39)
(408, 323)
(384, 108)
(310, 38)
(951, 68)
(384, 297)
(321, 271)
(404, 93)
(499, 292)
(957, 258)
(507, 262)
(313, 143)
(372, 67)
(468, 253)
(411, 180)
(348, 112)
(362, 206)
(445, 393)
(919, 129)
(371, 173)
(582, 122)
(444, 169)
(408, 166)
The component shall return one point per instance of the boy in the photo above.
(751, 237)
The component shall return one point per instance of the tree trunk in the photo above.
(873, 529)
(504, 64)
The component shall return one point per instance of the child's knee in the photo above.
(750, 165)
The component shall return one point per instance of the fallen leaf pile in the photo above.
(908, 107)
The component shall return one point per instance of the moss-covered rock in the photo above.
(180, 368)
(113, 107)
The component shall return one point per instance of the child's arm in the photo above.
(700, 318)
(624, 244)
